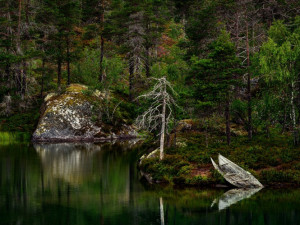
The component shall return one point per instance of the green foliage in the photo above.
(279, 65)
(279, 176)
(239, 111)
(216, 76)
(86, 70)
(278, 56)
(276, 154)
(24, 122)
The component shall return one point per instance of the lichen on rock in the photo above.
(69, 117)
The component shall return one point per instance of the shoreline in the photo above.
(84, 140)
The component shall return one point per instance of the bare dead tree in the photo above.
(159, 114)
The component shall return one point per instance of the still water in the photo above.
(89, 184)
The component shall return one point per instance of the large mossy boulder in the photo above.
(75, 115)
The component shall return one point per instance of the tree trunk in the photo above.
(206, 133)
(9, 35)
(24, 83)
(7, 70)
(163, 126)
(227, 118)
(101, 74)
(101, 77)
(284, 120)
(131, 75)
(175, 133)
(147, 62)
(43, 75)
(250, 130)
(295, 132)
(18, 44)
(19, 50)
(58, 73)
(68, 59)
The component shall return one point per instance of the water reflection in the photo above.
(66, 161)
(233, 196)
(162, 215)
(82, 184)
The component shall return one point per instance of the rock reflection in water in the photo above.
(233, 196)
(67, 161)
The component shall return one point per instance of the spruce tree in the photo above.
(216, 77)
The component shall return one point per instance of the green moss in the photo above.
(76, 88)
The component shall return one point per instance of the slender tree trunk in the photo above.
(175, 133)
(43, 75)
(206, 132)
(19, 50)
(131, 76)
(7, 70)
(284, 120)
(58, 72)
(8, 48)
(227, 118)
(27, 11)
(68, 60)
(25, 62)
(294, 115)
(24, 83)
(250, 129)
(147, 62)
(101, 74)
(163, 126)
(18, 45)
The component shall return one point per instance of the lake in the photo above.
(100, 184)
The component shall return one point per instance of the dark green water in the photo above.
(99, 184)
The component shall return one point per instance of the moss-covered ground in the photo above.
(272, 158)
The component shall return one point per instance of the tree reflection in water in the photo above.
(99, 184)
(66, 161)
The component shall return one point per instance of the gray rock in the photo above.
(68, 117)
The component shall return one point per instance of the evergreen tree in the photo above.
(62, 16)
(217, 76)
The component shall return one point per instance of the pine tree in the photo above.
(217, 76)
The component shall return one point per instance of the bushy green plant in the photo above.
(273, 175)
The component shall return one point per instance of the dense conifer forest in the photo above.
(239, 59)
(234, 68)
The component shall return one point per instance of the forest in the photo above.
(233, 65)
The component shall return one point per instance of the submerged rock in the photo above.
(72, 116)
